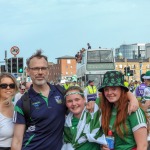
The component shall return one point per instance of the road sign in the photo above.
(14, 50)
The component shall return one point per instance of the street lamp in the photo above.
(140, 63)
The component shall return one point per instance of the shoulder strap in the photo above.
(60, 89)
(26, 107)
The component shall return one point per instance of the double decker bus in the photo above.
(94, 64)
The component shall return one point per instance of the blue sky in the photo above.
(63, 27)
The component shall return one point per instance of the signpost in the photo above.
(14, 50)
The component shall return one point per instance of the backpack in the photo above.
(27, 103)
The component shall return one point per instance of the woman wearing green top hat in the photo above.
(129, 131)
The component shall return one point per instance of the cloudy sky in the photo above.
(63, 27)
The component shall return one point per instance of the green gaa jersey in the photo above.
(133, 122)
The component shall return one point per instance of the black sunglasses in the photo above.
(4, 86)
(23, 89)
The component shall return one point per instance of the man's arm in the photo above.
(19, 130)
(133, 105)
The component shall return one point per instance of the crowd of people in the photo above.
(76, 120)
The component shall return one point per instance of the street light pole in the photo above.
(140, 63)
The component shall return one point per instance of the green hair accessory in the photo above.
(71, 93)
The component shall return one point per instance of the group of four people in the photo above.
(50, 128)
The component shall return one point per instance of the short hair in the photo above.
(38, 54)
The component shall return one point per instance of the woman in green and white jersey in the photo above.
(129, 131)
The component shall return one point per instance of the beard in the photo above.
(41, 82)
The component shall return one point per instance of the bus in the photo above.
(93, 65)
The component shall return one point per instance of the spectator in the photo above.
(139, 91)
(146, 98)
(8, 88)
(22, 89)
(89, 46)
(91, 92)
(82, 129)
(66, 85)
(45, 128)
(129, 131)
(126, 83)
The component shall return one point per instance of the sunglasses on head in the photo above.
(4, 86)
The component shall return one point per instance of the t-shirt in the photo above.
(133, 122)
(47, 120)
(6, 131)
(139, 91)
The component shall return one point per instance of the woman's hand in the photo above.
(90, 106)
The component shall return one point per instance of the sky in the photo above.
(63, 27)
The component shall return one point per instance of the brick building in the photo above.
(63, 70)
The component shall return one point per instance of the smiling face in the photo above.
(7, 92)
(112, 93)
(75, 103)
(38, 71)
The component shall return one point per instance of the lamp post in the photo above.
(140, 63)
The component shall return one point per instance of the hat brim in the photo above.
(102, 87)
(146, 77)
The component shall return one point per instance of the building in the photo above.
(138, 66)
(131, 51)
(63, 70)
(147, 47)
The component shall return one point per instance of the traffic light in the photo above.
(14, 65)
(131, 73)
(20, 65)
(128, 71)
(9, 65)
(3, 68)
(125, 71)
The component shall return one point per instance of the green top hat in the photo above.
(147, 75)
(113, 78)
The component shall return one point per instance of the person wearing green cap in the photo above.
(146, 98)
(129, 131)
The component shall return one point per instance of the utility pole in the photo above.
(6, 67)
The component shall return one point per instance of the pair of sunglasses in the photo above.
(23, 89)
(4, 86)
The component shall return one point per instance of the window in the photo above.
(120, 66)
(148, 66)
(99, 56)
(68, 61)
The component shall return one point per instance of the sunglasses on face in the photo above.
(23, 89)
(4, 86)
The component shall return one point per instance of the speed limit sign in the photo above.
(14, 50)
